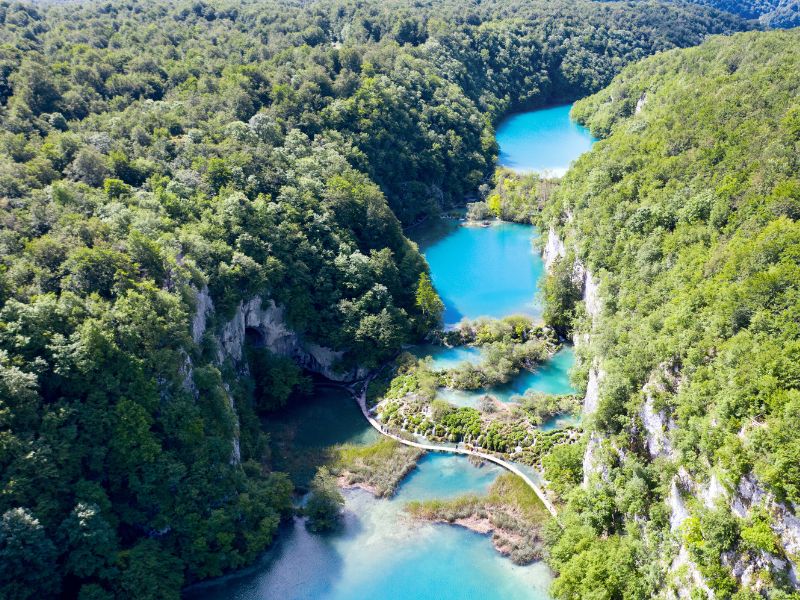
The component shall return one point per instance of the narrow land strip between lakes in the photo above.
(361, 397)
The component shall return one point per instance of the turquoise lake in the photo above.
(552, 377)
(380, 553)
(479, 271)
(545, 141)
(443, 357)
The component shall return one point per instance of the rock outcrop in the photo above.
(553, 249)
(784, 521)
(265, 324)
(640, 103)
(266, 321)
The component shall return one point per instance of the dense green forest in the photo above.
(770, 13)
(687, 212)
(151, 150)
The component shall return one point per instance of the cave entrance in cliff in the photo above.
(254, 338)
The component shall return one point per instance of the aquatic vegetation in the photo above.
(510, 511)
(543, 407)
(509, 431)
(378, 468)
(181, 179)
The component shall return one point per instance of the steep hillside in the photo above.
(197, 200)
(686, 213)
(770, 13)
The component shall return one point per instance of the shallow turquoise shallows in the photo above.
(443, 357)
(484, 271)
(545, 141)
(382, 554)
(552, 377)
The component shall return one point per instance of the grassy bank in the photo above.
(377, 468)
(511, 512)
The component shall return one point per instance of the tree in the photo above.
(428, 302)
(324, 506)
(561, 293)
(27, 558)
(89, 167)
(116, 188)
(275, 378)
(563, 467)
(149, 572)
(89, 541)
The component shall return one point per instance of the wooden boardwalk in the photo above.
(361, 398)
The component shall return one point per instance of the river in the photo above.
(379, 553)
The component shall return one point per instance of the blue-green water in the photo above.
(545, 141)
(448, 358)
(552, 377)
(484, 271)
(314, 425)
(382, 554)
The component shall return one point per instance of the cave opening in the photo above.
(254, 338)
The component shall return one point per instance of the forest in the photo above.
(693, 233)
(153, 154)
(770, 13)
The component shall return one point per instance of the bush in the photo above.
(325, 502)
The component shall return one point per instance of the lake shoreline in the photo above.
(510, 513)
(488, 267)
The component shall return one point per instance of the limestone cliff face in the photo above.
(753, 569)
(204, 308)
(266, 321)
(554, 249)
(784, 522)
(593, 305)
(658, 426)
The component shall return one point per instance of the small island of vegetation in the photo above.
(511, 512)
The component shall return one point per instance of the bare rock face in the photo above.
(657, 424)
(683, 572)
(592, 465)
(686, 577)
(267, 324)
(592, 397)
(205, 307)
(641, 102)
(678, 511)
(591, 296)
(747, 566)
(553, 249)
(784, 520)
